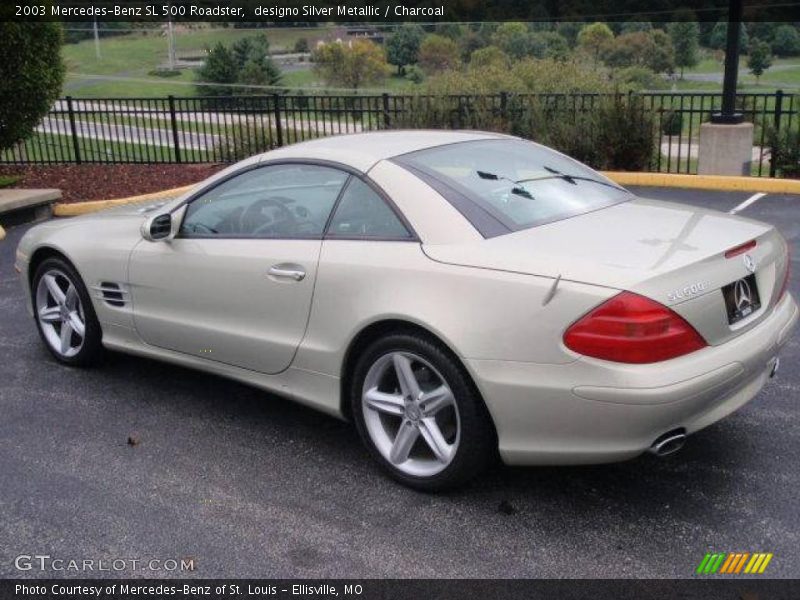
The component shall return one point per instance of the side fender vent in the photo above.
(112, 293)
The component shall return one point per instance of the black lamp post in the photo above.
(728, 115)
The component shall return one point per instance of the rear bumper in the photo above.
(592, 411)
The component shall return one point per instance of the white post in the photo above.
(96, 40)
(171, 37)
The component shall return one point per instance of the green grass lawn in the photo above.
(784, 74)
(127, 60)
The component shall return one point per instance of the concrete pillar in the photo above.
(725, 149)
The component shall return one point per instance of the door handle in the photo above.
(287, 271)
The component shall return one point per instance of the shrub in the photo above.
(785, 151)
(529, 75)
(672, 123)
(490, 55)
(301, 46)
(615, 133)
(414, 74)
(164, 73)
(638, 78)
(245, 140)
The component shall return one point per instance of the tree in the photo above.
(470, 42)
(595, 39)
(246, 62)
(570, 31)
(254, 65)
(219, 68)
(650, 49)
(438, 53)
(258, 71)
(786, 41)
(760, 58)
(661, 57)
(361, 62)
(634, 26)
(402, 48)
(450, 30)
(686, 42)
(31, 75)
(513, 39)
(548, 44)
(491, 55)
(719, 36)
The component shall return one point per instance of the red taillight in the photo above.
(740, 249)
(632, 329)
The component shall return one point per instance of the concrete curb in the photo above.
(81, 208)
(707, 182)
(698, 182)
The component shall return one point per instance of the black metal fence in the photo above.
(224, 129)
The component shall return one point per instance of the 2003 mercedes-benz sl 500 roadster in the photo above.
(455, 293)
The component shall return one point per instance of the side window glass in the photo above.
(363, 213)
(281, 201)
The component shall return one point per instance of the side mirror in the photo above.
(157, 227)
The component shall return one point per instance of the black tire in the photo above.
(91, 352)
(477, 447)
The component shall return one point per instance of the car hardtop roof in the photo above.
(361, 151)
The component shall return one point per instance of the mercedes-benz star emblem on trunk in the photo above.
(750, 263)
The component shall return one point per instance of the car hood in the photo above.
(138, 209)
(642, 245)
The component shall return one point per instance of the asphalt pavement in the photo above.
(250, 485)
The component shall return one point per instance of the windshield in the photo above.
(512, 184)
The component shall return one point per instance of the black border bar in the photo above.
(287, 12)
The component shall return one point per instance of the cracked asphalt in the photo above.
(251, 485)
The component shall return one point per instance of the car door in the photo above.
(235, 284)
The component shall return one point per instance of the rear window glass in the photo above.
(517, 183)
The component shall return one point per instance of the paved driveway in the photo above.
(251, 485)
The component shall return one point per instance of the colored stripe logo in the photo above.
(734, 563)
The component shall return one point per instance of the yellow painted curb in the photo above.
(2, 233)
(81, 208)
(707, 182)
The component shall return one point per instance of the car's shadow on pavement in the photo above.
(646, 482)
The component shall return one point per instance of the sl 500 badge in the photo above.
(688, 291)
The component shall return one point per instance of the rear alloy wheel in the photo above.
(64, 314)
(418, 414)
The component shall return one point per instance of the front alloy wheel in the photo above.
(60, 313)
(419, 414)
(64, 313)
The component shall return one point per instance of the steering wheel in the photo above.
(254, 221)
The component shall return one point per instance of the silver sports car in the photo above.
(455, 294)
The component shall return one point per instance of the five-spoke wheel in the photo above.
(64, 313)
(417, 411)
(60, 313)
(410, 413)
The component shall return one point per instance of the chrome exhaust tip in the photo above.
(667, 444)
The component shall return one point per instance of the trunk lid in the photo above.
(672, 253)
